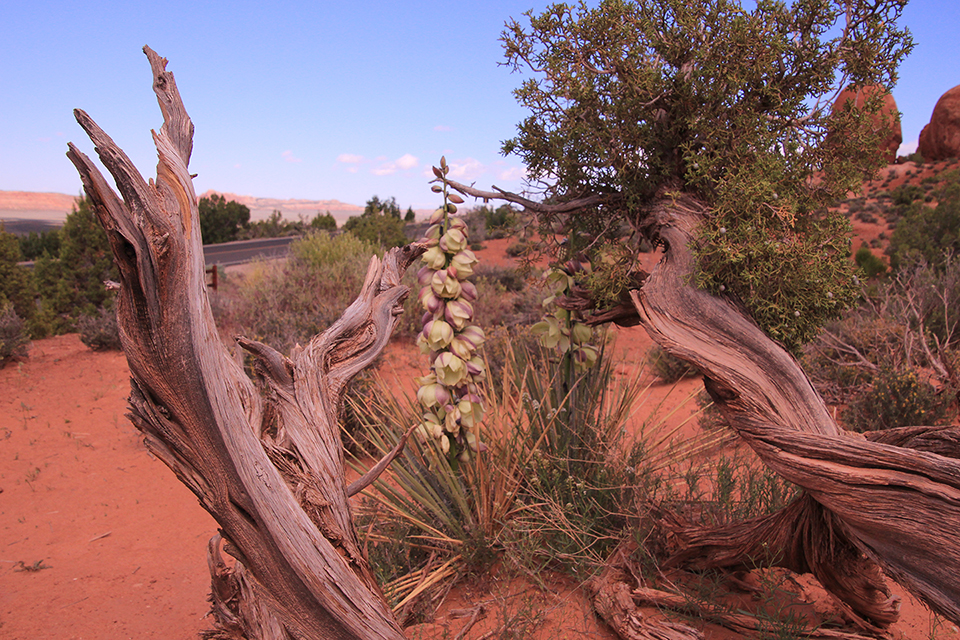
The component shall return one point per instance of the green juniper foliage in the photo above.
(632, 101)
(222, 220)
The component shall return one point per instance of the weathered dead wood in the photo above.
(739, 622)
(614, 602)
(898, 506)
(270, 467)
(795, 538)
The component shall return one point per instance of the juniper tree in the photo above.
(633, 101)
(708, 129)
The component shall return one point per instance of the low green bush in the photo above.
(518, 248)
(14, 338)
(99, 331)
(872, 265)
(897, 398)
(668, 368)
(282, 303)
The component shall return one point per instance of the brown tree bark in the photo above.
(874, 500)
(266, 462)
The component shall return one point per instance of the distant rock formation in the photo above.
(940, 139)
(290, 209)
(888, 119)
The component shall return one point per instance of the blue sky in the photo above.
(313, 100)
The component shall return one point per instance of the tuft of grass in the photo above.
(14, 336)
(100, 331)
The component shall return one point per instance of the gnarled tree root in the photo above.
(802, 538)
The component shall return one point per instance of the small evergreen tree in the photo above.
(323, 222)
(222, 220)
(15, 286)
(380, 223)
(927, 233)
(72, 285)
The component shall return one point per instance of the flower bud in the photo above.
(458, 313)
(468, 291)
(431, 303)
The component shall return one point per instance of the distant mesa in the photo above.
(46, 209)
(940, 139)
(291, 209)
(888, 119)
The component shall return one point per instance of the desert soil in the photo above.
(99, 540)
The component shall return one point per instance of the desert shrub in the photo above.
(511, 280)
(324, 222)
(742, 488)
(14, 338)
(71, 284)
(909, 321)
(906, 194)
(501, 221)
(897, 398)
(382, 231)
(222, 220)
(872, 265)
(499, 306)
(930, 234)
(16, 286)
(843, 359)
(273, 227)
(518, 248)
(668, 368)
(283, 303)
(914, 157)
(99, 331)
(34, 244)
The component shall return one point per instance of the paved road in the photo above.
(239, 252)
(229, 253)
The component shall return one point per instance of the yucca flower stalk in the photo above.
(563, 329)
(450, 394)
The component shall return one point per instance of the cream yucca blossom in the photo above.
(434, 258)
(450, 393)
(437, 334)
(453, 241)
(445, 285)
(562, 329)
(450, 368)
(463, 262)
(458, 313)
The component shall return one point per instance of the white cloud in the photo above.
(349, 158)
(404, 162)
(466, 169)
(407, 161)
(512, 173)
(908, 147)
(289, 157)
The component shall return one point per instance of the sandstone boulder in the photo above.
(887, 119)
(940, 139)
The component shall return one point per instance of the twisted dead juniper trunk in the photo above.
(867, 499)
(266, 463)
